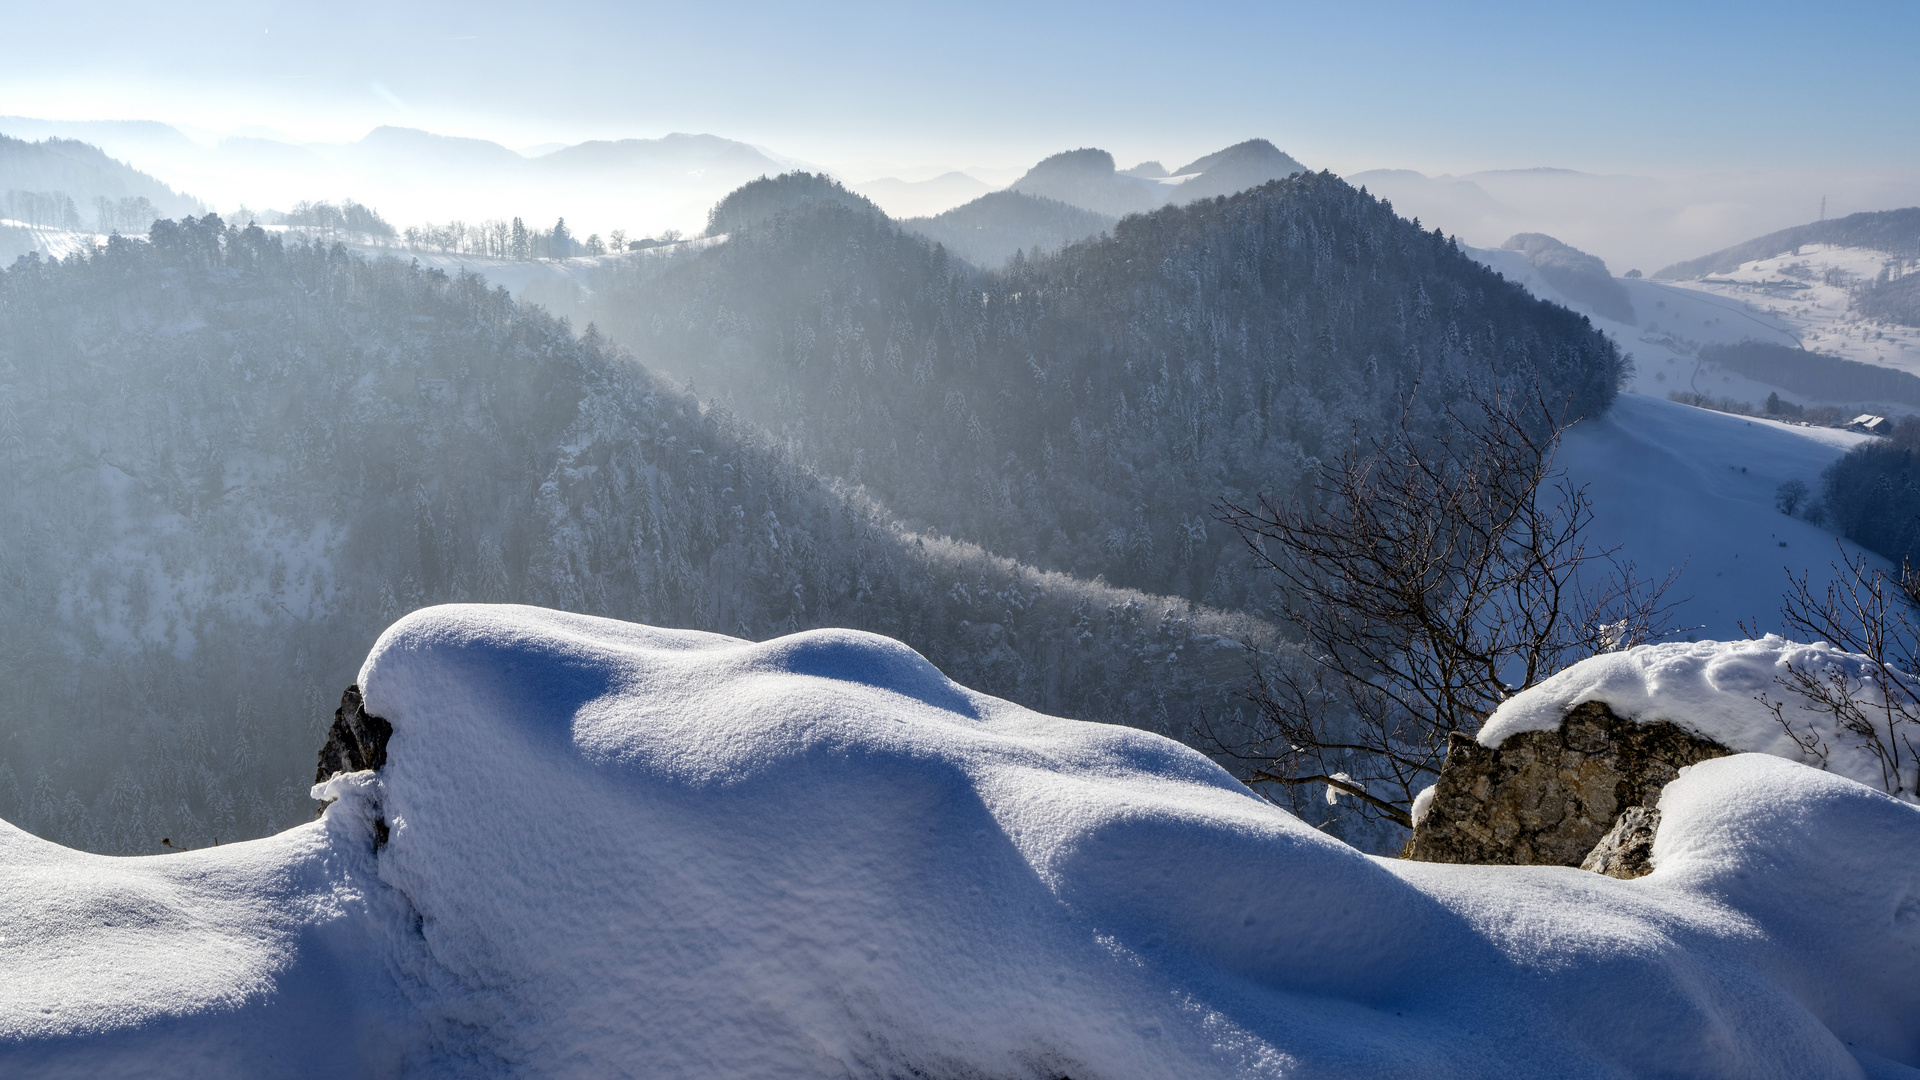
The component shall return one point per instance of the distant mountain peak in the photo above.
(988, 230)
(1253, 150)
(1084, 160)
(1148, 170)
(1578, 276)
(1239, 167)
(1535, 170)
(672, 153)
(1086, 178)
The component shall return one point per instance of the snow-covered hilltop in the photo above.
(1811, 290)
(617, 850)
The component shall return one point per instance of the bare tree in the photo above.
(1431, 577)
(1791, 496)
(1863, 610)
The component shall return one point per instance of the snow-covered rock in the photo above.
(616, 850)
(1722, 691)
(1549, 797)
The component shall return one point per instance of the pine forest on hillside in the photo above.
(1083, 411)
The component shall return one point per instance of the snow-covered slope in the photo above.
(1798, 299)
(17, 238)
(1680, 488)
(1669, 326)
(1810, 291)
(621, 851)
(558, 285)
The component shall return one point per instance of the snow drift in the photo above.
(617, 850)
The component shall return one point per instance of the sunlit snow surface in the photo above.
(1675, 488)
(622, 851)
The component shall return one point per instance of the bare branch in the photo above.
(1431, 575)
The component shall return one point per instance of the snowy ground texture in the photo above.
(622, 851)
(1681, 489)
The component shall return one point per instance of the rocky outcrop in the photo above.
(356, 741)
(1550, 797)
(1627, 849)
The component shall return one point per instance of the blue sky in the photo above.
(1602, 87)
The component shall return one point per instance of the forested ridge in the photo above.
(230, 462)
(1084, 411)
(1000, 224)
(67, 184)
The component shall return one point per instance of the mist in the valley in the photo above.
(644, 187)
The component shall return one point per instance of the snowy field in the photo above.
(1677, 488)
(620, 851)
(1683, 489)
(1670, 325)
(519, 276)
(17, 238)
(1808, 291)
(1784, 300)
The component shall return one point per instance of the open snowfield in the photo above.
(18, 238)
(1784, 300)
(1680, 488)
(1808, 290)
(622, 851)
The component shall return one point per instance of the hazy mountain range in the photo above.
(413, 176)
(646, 185)
(1078, 194)
(990, 229)
(1087, 178)
(923, 198)
(1632, 222)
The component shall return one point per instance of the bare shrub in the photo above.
(1875, 705)
(1430, 578)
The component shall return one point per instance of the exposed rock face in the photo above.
(1549, 797)
(1627, 849)
(357, 741)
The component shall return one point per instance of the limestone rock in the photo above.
(1548, 797)
(1626, 851)
(356, 741)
